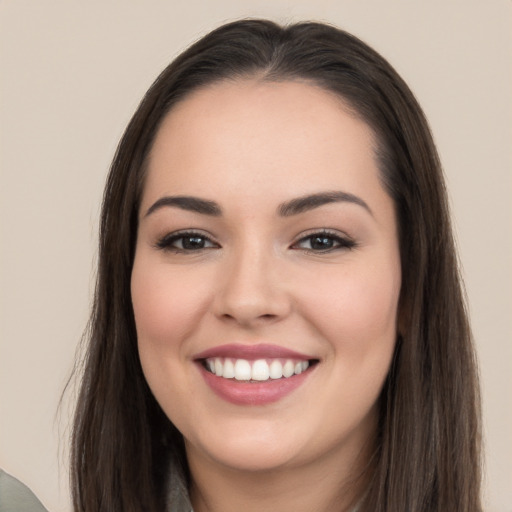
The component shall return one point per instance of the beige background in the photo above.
(71, 75)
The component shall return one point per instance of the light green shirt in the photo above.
(17, 497)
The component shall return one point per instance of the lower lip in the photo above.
(253, 393)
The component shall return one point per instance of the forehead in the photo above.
(261, 135)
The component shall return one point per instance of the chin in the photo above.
(248, 449)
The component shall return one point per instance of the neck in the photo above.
(323, 486)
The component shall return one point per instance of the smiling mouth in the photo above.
(259, 370)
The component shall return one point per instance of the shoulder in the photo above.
(17, 497)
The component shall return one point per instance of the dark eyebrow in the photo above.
(189, 203)
(287, 209)
(305, 203)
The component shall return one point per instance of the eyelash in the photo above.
(339, 242)
(166, 242)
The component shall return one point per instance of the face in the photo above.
(266, 276)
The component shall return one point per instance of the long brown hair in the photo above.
(428, 443)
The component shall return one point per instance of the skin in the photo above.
(251, 146)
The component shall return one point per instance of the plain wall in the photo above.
(71, 75)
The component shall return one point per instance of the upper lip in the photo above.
(251, 352)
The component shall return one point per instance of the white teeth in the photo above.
(288, 369)
(276, 369)
(259, 370)
(229, 369)
(242, 370)
(218, 367)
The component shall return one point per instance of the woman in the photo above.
(278, 320)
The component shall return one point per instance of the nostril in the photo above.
(248, 305)
(239, 318)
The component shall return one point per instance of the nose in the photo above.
(252, 289)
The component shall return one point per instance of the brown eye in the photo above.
(321, 243)
(191, 243)
(186, 242)
(324, 242)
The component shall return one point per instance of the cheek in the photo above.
(357, 316)
(357, 309)
(165, 303)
